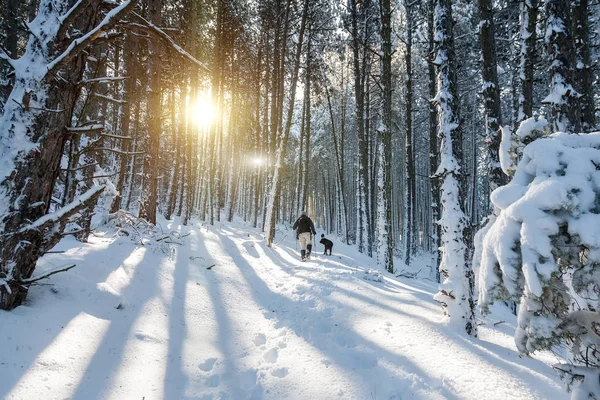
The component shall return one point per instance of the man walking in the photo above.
(304, 230)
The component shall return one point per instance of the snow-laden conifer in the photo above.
(544, 249)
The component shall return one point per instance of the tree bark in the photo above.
(584, 79)
(36, 114)
(385, 236)
(491, 93)
(149, 198)
(456, 292)
(281, 152)
(563, 98)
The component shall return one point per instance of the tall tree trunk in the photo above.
(123, 128)
(433, 142)
(307, 136)
(301, 164)
(363, 229)
(281, 152)
(456, 292)
(584, 80)
(563, 97)
(385, 254)
(528, 37)
(339, 163)
(491, 93)
(149, 200)
(410, 225)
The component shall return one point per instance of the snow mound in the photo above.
(141, 232)
(373, 275)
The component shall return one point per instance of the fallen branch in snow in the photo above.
(499, 322)
(45, 275)
(142, 233)
(410, 275)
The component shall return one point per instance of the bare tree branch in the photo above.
(147, 26)
(46, 274)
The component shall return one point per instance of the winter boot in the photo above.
(303, 254)
(309, 249)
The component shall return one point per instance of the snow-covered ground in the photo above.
(139, 322)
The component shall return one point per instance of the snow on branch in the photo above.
(149, 27)
(73, 12)
(123, 153)
(109, 99)
(79, 168)
(85, 129)
(108, 135)
(67, 211)
(111, 18)
(104, 79)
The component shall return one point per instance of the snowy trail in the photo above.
(260, 324)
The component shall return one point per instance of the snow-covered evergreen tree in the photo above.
(544, 249)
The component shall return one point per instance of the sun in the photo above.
(202, 112)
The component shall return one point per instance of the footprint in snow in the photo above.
(213, 381)
(272, 355)
(248, 379)
(259, 339)
(300, 289)
(327, 312)
(365, 361)
(322, 327)
(208, 364)
(311, 303)
(280, 372)
(344, 341)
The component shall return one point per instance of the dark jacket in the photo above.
(304, 224)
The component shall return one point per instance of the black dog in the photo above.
(327, 243)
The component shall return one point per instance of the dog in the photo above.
(327, 243)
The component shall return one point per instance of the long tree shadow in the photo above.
(175, 378)
(360, 358)
(424, 297)
(50, 325)
(468, 344)
(243, 384)
(104, 365)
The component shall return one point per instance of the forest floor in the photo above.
(152, 322)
